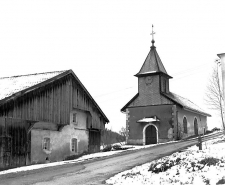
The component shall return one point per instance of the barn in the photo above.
(47, 117)
(155, 114)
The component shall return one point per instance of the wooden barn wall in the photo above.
(53, 103)
(15, 140)
(80, 100)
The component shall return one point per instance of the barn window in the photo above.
(74, 145)
(74, 118)
(185, 125)
(46, 143)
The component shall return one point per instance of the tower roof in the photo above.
(152, 64)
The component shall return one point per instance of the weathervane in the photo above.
(153, 41)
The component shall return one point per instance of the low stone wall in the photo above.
(135, 142)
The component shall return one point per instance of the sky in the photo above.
(105, 43)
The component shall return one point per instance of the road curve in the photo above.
(95, 171)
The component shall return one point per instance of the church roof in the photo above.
(16, 86)
(182, 102)
(152, 64)
(185, 103)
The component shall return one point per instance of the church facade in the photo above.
(155, 114)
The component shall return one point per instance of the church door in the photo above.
(150, 135)
(196, 126)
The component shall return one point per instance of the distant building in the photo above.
(155, 114)
(47, 117)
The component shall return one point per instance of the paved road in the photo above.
(95, 171)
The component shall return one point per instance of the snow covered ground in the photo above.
(83, 158)
(191, 166)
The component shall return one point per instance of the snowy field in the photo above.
(192, 166)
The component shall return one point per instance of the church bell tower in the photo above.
(152, 77)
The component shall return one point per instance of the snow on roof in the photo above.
(148, 72)
(15, 84)
(147, 120)
(185, 103)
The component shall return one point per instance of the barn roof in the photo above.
(17, 85)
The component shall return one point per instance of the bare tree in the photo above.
(214, 94)
(122, 131)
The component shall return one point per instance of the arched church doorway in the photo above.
(196, 126)
(150, 135)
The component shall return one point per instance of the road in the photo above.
(95, 171)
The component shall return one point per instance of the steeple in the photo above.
(152, 63)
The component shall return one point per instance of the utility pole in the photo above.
(222, 58)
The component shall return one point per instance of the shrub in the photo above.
(163, 166)
(72, 157)
(107, 148)
(117, 147)
(215, 129)
(209, 161)
(221, 181)
(208, 132)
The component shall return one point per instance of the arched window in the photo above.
(185, 125)
(196, 126)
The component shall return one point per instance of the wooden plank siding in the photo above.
(53, 102)
(15, 140)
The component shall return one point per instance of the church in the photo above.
(155, 114)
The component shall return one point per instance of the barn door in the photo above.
(14, 143)
(196, 126)
(150, 135)
(5, 151)
(94, 140)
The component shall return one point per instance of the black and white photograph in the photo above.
(114, 92)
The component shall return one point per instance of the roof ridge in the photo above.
(32, 74)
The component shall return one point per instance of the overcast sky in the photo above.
(106, 42)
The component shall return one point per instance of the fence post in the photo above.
(200, 142)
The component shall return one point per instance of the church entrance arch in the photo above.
(196, 126)
(150, 134)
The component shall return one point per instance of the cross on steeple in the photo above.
(153, 41)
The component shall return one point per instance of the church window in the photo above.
(196, 126)
(185, 125)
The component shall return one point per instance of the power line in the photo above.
(112, 92)
(175, 78)
(191, 69)
(189, 74)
